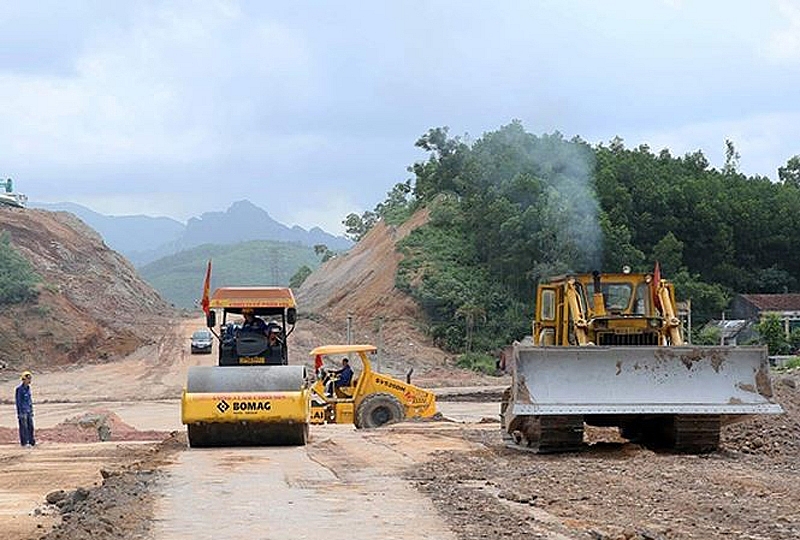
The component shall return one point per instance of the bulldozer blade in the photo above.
(597, 380)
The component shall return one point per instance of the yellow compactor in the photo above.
(371, 399)
(252, 397)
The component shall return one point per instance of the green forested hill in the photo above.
(511, 208)
(179, 277)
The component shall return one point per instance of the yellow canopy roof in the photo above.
(343, 349)
(252, 297)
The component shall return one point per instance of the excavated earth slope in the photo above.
(360, 284)
(92, 305)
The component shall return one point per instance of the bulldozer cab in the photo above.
(262, 344)
(605, 309)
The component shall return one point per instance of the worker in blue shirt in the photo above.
(252, 323)
(24, 403)
(340, 377)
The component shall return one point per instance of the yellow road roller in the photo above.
(365, 398)
(252, 397)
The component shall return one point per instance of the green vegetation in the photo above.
(793, 363)
(770, 328)
(18, 281)
(512, 208)
(179, 277)
(480, 362)
(300, 276)
(395, 210)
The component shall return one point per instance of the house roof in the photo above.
(774, 302)
(729, 327)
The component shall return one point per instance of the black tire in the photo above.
(300, 435)
(378, 410)
(196, 436)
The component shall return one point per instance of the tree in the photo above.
(669, 254)
(357, 226)
(770, 329)
(299, 277)
(708, 335)
(790, 173)
(731, 159)
(397, 206)
(322, 249)
(471, 313)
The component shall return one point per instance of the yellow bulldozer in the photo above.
(252, 397)
(608, 350)
(367, 399)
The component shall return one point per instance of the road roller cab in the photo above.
(255, 324)
(252, 397)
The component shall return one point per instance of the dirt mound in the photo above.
(122, 506)
(91, 426)
(771, 434)
(92, 304)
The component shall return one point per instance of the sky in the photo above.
(310, 109)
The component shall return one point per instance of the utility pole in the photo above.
(379, 354)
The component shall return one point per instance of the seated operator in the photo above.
(274, 344)
(252, 323)
(344, 376)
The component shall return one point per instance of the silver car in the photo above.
(201, 342)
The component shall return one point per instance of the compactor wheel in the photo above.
(377, 410)
(243, 434)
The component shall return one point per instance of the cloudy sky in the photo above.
(311, 109)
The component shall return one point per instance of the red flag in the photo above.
(656, 284)
(206, 290)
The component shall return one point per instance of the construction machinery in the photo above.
(252, 397)
(9, 198)
(371, 399)
(608, 350)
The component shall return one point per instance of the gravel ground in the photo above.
(616, 490)
(613, 490)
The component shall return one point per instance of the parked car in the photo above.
(201, 342)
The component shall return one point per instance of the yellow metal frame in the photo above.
(572, 314)
(221, 407)
(417, 402)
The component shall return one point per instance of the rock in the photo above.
(55, 496)
(105, 473)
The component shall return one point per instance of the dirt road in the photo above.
(341, 478)
(413, 480)
(345, 484)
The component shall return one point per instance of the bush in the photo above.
(792, 364)
(480, 362)
(17, 279)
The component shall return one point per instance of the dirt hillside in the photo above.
(360, 284)
(92, 304)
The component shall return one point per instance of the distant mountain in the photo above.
(125, 234)
(144, 239)
(179, 277)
